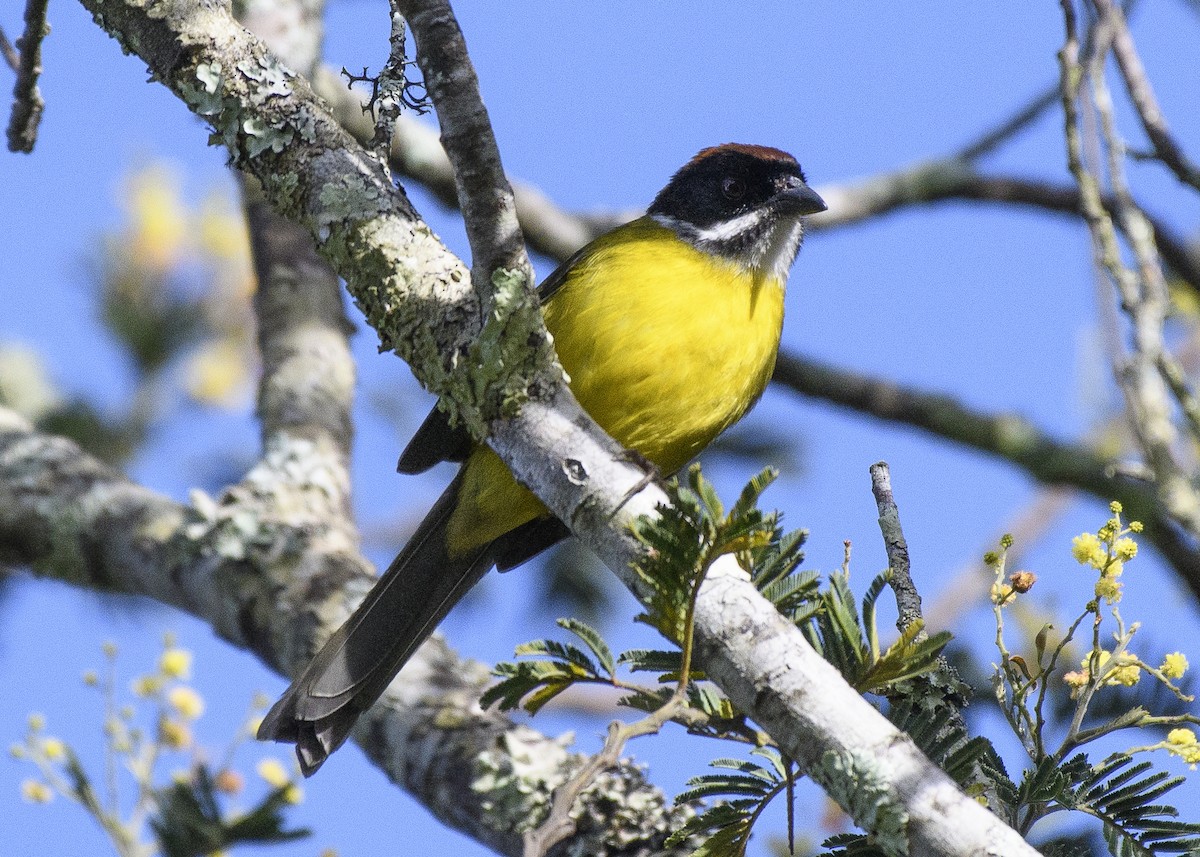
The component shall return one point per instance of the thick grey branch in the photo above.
(71, 517)
(312, 171)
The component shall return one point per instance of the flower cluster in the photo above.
(176, 707)
(1107, 550)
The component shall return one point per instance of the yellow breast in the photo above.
(665, 347)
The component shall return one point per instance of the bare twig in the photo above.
(11, 57)
(1009, 128)
(484, 195)
(908, 600)
(1141, 93)
(27, 98)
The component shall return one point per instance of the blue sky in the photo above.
(597, 105)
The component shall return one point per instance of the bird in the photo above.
(667, 328)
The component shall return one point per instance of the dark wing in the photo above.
(436, 441)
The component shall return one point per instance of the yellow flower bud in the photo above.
(36, 792)
(176, 663)
(146, 686)
(1174, 665)
(53, 749)
(186, 701)
(273, 772)
(173, 734)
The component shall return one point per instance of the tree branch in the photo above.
(27, 98)
(370, 235)
(1008, 436)
(1141, 93)
(68, 516)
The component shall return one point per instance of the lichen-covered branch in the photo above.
(27, 98)
(68, 516)
(313, 172)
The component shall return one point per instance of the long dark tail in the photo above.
(358, 662)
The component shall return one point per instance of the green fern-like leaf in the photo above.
(725, 826)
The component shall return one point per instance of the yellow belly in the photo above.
(665, 348)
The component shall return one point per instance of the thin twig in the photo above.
(1009, 128)
(908, 600)
(11, 57)
(484, 195)
(1141, 93)
(27, 98)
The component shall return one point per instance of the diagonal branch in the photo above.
(312, 171)
(1142, 94)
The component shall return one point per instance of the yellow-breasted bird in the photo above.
(668, 328)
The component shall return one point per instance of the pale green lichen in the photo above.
(503, 361)
(350, 197)
(618, 813)
(860, 783)
(261, 136)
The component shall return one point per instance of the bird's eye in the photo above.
(733, 188)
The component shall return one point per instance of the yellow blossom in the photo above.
(1182, 743)
(293, 794)
(1093, 662)
(217, 373)
(186, 701)
(1174, 665)
(53, 749)
(176, 663)
(159, 225)
(1125, 548)
(222, 229)
(174, 734)
(17, 751)
(90, 678)
(273, 772)
(1109, 589)
(36, 792)
(1001, 592)
(1126, 672)
(37, 722)
(1115, 507)
(1084, 547)
(1135, 526)
(1181, 737)
(109, 648)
